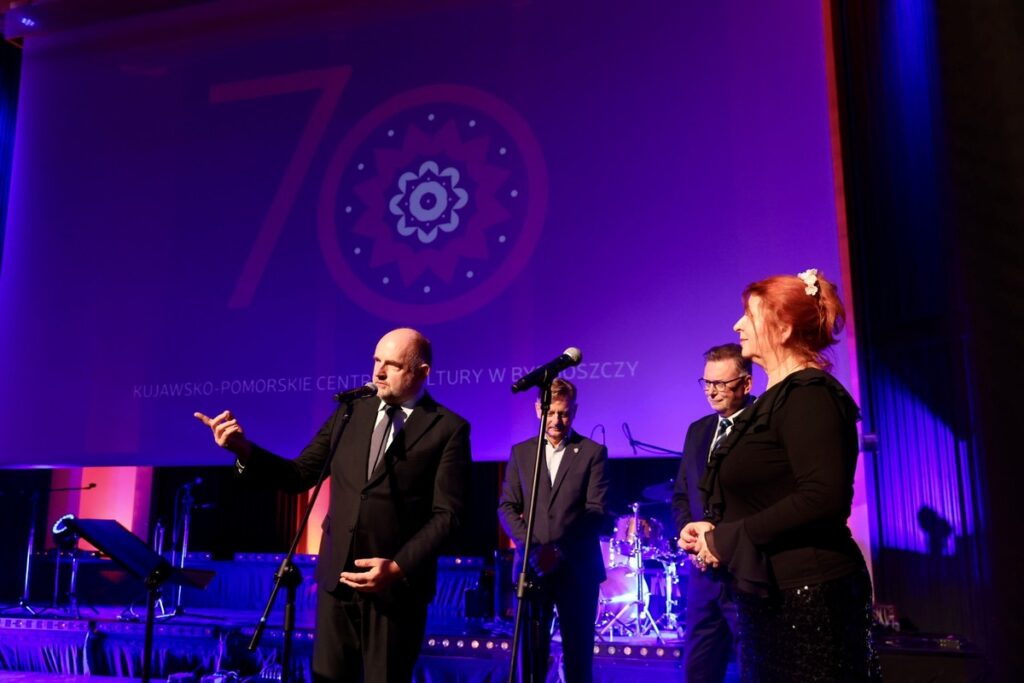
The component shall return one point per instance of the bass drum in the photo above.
(618, 594)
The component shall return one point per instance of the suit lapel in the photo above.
(527, 458)
(709, 435)
(358, 433)
(422, 418)
(706, 435)
(570, 457)
(544, 493)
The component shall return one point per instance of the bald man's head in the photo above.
(401, 363)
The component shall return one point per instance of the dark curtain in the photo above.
(931, 99)
(10, 77)
(21, 493)
(231, 516)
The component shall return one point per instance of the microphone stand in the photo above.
(23, 603)
(288, 575)
(184, 502)
(649, 447)
(523, 585)
(187, 502)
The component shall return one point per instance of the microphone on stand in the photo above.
(569, 358)
(629, 436)
(368, 389)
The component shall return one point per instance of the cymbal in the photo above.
(629, 511)
(660, 492)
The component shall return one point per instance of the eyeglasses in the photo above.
(718, 384)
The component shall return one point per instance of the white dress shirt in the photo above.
(553, 457)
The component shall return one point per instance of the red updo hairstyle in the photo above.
(815, 317)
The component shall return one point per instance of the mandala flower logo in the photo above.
(428, 201)
(424, 184)
(432, 204)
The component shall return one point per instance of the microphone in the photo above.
(368, 389)
(90, 486)
(570, 357)
(187, 486)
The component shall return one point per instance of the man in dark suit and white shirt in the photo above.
(566, 564)
(710, 613)
(398, 482)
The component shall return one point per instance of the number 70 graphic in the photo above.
(523, 206)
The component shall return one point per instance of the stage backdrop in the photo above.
(226, 205)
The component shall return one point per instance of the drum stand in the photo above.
(642, 624)
(669, 619)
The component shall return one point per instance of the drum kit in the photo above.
(640, 561)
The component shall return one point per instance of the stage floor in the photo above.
(208, 637)
(26, 677)
(55, 646)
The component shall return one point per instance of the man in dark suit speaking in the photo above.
(710, 612)
(565, 561)
(398, 480)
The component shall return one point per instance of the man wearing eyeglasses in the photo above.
(710, 614)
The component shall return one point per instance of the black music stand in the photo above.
(132, 553)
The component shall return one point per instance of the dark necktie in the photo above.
(380, 439)
(723, 428)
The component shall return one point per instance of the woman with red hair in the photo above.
(778, 493)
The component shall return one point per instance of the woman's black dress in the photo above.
(779, 491)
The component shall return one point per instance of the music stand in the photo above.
(132, 553)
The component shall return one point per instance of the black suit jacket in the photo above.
(571, 513)
(404, 512)
(687, 500)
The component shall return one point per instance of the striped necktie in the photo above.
(723, 429)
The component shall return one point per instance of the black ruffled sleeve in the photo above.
(749, 567)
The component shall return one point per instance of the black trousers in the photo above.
(576, 601)
(711, 628)
(360, 638)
